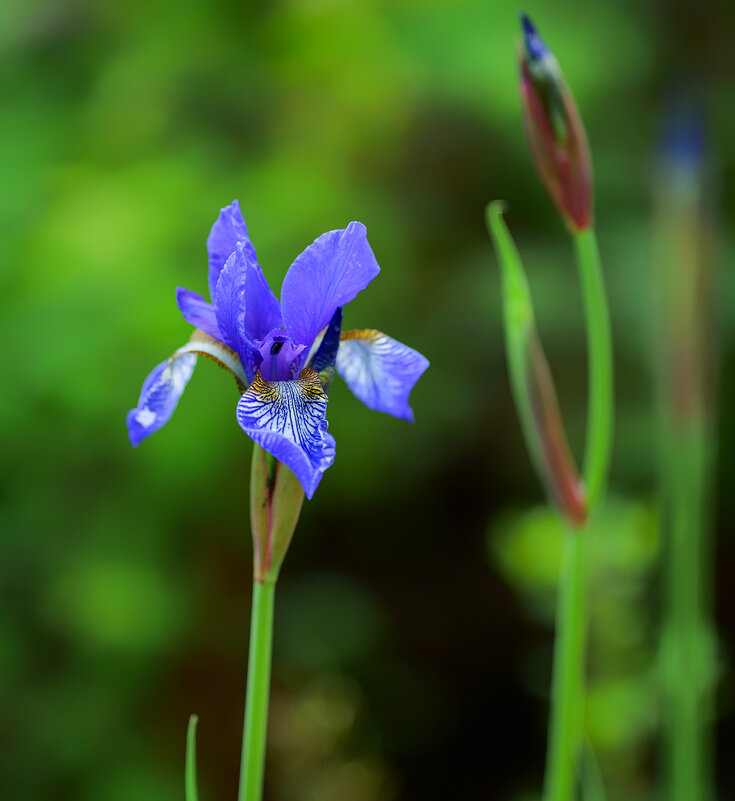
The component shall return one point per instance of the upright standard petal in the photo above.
(246, 308)
(159, 396)
(198, 312)
(328, 274)
(262, 309)
(380, 371)
(228, 231)
(288, 419)
(229, 300)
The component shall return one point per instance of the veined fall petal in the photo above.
(161, 392)
(289, 420)
(380, 371)
(167, 381)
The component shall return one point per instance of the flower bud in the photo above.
(555, 132)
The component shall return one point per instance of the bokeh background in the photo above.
(413, 642)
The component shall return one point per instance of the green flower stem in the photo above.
(600, 408)
(567, 691)
(683, 361)
(687, 655)
(566, 729)
(252, 766)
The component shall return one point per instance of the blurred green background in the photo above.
(413, 640)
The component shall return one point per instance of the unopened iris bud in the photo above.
(555, 131)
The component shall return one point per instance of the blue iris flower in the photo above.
(283, 355)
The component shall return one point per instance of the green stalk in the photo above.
(567, 690)
(682, 299)
(566, 729)
(687, 657)
(252, 765)
(567, 693)
(600, 408)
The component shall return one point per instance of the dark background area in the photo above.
(414, 611)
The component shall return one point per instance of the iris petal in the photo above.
(380, 371)
(262, 309)
(228, 231)
(198, 312)
(167, 381)
(229, 300)
(328, 274)
(246, 308)
(202, 344)
(159, 396)
(288, 419)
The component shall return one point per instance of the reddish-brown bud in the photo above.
(555, 131)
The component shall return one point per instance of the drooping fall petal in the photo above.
(380, 371)
(289, 420)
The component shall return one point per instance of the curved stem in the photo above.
(600, 409)
(567, 691)
(252, 766)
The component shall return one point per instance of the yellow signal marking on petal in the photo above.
(367, 334)
(311, 384)
(292, 409)
(310, 387)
